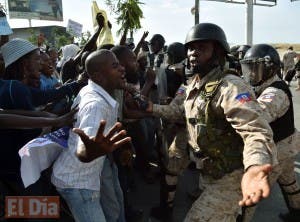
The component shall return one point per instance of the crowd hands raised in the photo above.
(172, 105)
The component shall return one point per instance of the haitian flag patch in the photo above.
(180, 91)
(243, 97)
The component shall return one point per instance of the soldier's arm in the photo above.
(173, 111)
(245, 115)
(243, 112)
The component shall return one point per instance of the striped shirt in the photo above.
(95, 104)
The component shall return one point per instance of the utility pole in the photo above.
(249, 13)
(197, 12)
(249, 22)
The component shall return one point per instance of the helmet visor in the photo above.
(252, 72)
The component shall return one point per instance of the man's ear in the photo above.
(97, 76)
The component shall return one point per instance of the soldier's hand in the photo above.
(255, 185)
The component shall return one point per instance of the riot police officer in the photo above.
(260, 67)
(229, 139)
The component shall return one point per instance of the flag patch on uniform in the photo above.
(180, 91)
(243, 97)
(267, 97)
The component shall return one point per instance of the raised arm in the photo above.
(140, 43)
(91, 43)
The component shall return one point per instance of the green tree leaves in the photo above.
(128, 14)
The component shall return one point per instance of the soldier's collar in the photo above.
(202, 81)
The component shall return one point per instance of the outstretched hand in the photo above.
(100, 145)
(255, 185)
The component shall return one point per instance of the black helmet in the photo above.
(158, 38)
(176, 52)
(260, 51)
(234, 50)
(260, 63)
(242, 51)
(207, 31)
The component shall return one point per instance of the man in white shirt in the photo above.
(78, 182)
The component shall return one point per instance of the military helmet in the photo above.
(260, 51)
(242, 51)
(234, 50)
(207, 31)
(260, 63)
(176, 52)
(158, 38)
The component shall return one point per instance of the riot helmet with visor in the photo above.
(260, 63)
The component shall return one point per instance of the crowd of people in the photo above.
(227, 112)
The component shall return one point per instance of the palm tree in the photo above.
(128, 13)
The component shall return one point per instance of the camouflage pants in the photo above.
(219, 200)
(289, 185)
(287, 149)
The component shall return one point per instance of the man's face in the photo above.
(200, 52)
(114, 73)
(53, 56)
(46, 65)
(32, 68)
(131, 67)
(154, 47)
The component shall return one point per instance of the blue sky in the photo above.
(173, 18)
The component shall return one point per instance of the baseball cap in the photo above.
(15, 49)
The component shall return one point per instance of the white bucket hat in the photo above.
(15, 49)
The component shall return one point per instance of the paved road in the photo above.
(147, 196)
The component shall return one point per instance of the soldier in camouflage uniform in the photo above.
(228, 138)
(288, 60)
(260, 66)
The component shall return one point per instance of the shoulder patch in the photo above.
(180, 91)
(243, 97)
(268, 97)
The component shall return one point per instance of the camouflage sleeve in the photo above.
(237, 101)
(274, 102)
(173, 111)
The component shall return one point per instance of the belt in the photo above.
(209, 166)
